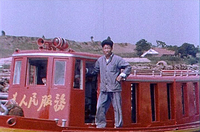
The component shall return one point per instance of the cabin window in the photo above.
(59, 72)
(195, 92)
(37, 70)
(90, 93)
(169, 100)
(17, 72)
(134, 89)
(78, 74)
(183, 98)
(153, 94)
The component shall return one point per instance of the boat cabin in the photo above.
(55, 85)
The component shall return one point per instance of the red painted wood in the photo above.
(40, 103)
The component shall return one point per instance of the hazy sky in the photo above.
(171, 21)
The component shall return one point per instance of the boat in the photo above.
(56, 92)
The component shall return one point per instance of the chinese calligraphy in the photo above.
(59, 102)
(46, 100)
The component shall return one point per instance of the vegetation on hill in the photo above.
(10, 43)
(185, 54)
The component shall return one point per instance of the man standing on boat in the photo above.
(110, 66)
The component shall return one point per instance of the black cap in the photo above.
(107, 42)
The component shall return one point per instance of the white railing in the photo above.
(166, 72)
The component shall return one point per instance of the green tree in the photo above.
(142, 46)
(174, 48)
(92, 38)
(187, 49)
(160, 43)
(109, 38)
(3, 33)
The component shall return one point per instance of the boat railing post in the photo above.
(196, 72)
(181, 73)
(153, 73)
(187, 73)
(134, 73)
(161, 73)
(63, 122)
(56, 120)
(174, 73)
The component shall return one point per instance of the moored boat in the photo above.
(57, 93)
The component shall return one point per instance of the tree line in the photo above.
(185, 50)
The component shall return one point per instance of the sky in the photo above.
(126, 21)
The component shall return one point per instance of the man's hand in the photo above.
(119, 78)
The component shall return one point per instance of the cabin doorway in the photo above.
(90, 93)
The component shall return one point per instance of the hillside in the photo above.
(9, 43)
(126, 50)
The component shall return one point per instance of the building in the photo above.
(158, 52)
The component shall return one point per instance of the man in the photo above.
(109, 66)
